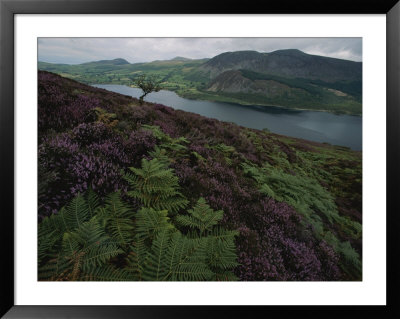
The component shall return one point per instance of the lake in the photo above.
(344, 130)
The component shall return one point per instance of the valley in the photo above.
(289, 79)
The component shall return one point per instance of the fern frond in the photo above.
(155, 269)
(149, 222)
(55, 224)
(202, 217)
(174, 145)
(161, 155)
(156, 130)
(136, 258)
(106, 273)
(118, 219)
(92, 202)
(88, 247)
(186, 259)
(55, 268)
(156, 186)
(76, 213)
(47, 242)
(70, 244)
(99, 255)
(221, 249)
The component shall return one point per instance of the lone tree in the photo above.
(148, 84)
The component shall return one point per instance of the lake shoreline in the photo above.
(222, 100)
(319, 126)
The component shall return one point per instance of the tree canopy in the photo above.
(147, 84)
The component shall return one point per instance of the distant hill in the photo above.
(287, 63)
(287, 78)
(180, 58)
(118, 61)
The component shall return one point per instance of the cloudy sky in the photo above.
(80, 50)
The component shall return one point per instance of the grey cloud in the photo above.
(80, 50)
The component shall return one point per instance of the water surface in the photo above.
(345, 130)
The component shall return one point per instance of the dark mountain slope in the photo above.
(266, 89)
(289, 63)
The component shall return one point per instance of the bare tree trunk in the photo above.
(141, 98)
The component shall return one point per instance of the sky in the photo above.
(81, 50)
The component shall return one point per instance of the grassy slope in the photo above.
(183, 78)
(292, 200)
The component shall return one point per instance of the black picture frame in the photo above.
(9, 8)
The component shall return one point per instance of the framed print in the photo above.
(239, 159)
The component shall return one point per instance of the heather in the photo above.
(278, 208)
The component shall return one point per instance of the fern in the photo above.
(313, 201)
(68, 218)
(86, 241)
(92, 201)
(51, 229)
(55, 267)
(305, 194)
(156, 186)
(75, 213)
(173, 145)
(136, 259)
(201, 217)
(149, 222)
(175, 257)
(161, 155)
(106, 273)
(83, 251)
(97, 247)
(185, 259)
(117, 219)
(70, 245)
(351, 262)
(162, 252)
(221, 250)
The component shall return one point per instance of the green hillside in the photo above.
(131, 192)
(287, 78)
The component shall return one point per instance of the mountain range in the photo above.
(286, 78)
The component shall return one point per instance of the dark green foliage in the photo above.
(68, 218)
(92, 201)
(155, 186)
(293, 82)
(89, 245)
(147, 84)
(161, 155)
(174, 257)
(221, 249)
(149, 222)
(171, 145)
(314, 202)
(201, 217)
(117, 244)
(72, 243)
(226, 150)
(79, 252)
(162, 252)
(117, 218)
(305, 194)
